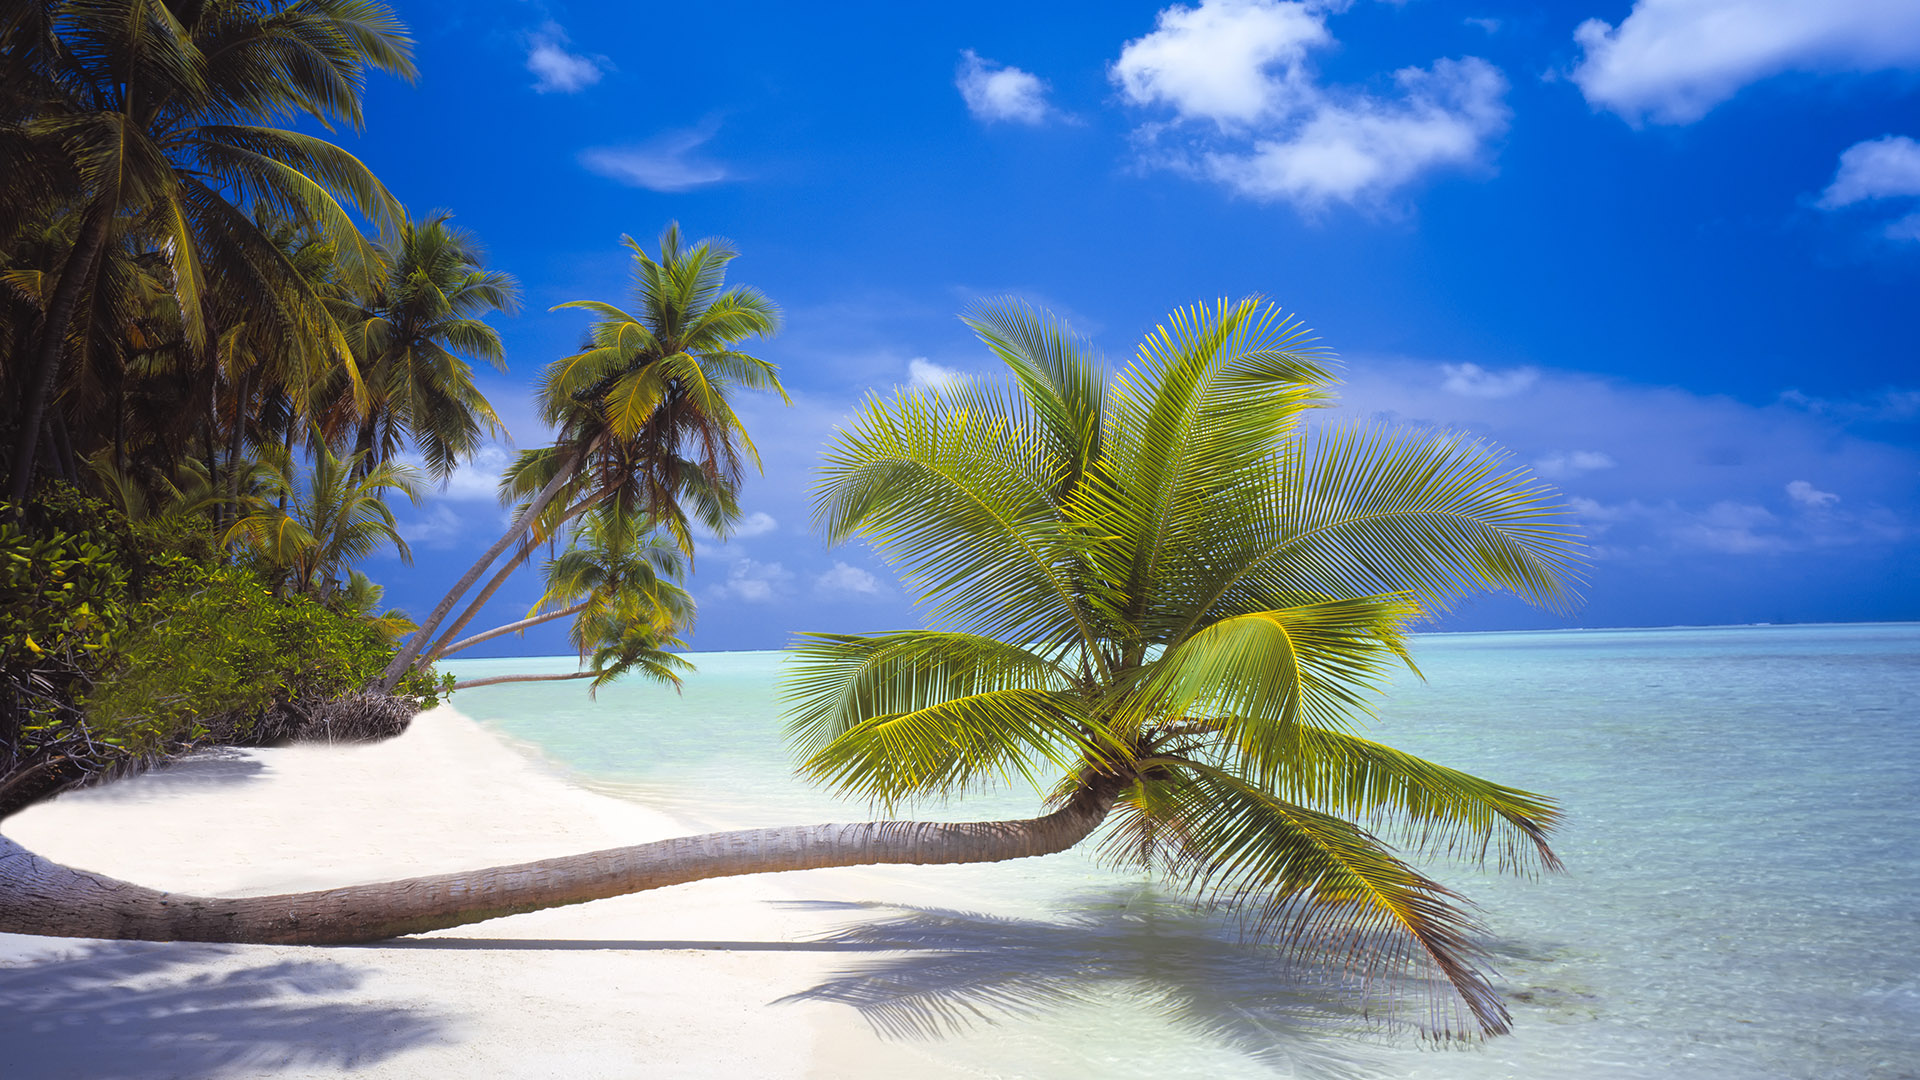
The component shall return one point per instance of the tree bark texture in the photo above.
(42, 897)
(490, 680)
(52, 346)
(512, 627)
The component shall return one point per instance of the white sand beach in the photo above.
(681, 982)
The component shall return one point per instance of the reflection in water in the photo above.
(1116, 955)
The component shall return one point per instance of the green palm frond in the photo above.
(1253, 679)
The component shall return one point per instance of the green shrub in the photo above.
(214, 651)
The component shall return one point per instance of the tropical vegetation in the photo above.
(1161, 598)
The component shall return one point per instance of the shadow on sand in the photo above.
(141, 1011)
(955, 971)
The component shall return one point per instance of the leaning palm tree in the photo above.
(621, 589)
(645, 421)
(1159, 596)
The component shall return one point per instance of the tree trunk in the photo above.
(500, 631)
(490, 680)
(42, 897)
(53, 346)
(443, 646)
(403, 658)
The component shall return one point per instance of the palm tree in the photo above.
(338, 517)
(147, 116)
(1160, 597)
(410, 335)
(621, 589)
(644, 416)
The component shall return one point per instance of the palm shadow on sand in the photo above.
(140, 1011)
(956, 971)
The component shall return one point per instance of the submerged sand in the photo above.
(687, 981)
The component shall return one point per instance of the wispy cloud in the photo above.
(1672, 61)
(1248, 111)
(1660, 474)
(1001, 93)
(755, 582)
(1472, 380)
(924, 372)
(668, 162)
(1877, 170)
(557, 70)
(845, 580)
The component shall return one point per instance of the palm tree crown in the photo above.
(1160, 593)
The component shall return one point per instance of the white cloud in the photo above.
(560, 71)
(1674, 60)
(1557, 464)
(474, 480)
(1491, 26)
(995, 92)
(1253, 116)
(1881, 168)
(1731, 528)
(1215, 61)
(667, 162)
(441, 527)
(1361, 150)
(755, 582)
(847, 580)
(1807, 495)
(924, 372)
(1472, 380)
(757, 523)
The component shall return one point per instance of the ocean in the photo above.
(1741, 898)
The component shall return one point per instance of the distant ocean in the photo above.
(1742, 899)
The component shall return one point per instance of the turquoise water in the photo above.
(1742, 845)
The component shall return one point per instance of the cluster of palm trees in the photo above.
(195, 323)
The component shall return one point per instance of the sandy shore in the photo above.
(686, 981)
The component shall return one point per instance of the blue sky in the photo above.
(1665, 251)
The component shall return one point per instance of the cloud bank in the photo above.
(1248, 111)
(1672, 61)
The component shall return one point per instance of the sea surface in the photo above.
(1741, 897)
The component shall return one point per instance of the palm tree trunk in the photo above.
(404, 657)
(42, 897)
(509, 628)
(53, 345)
(490, 680)
(442, 646)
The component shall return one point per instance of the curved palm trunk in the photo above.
(42, 897)
(490, 680)
(443, 645)
(509, 628)
(404, 657)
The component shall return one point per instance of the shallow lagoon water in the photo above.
(1742, 851)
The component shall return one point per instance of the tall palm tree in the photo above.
(644, 417)
(153, 113)
(411, 339)
(1160, 597)
(337, 517)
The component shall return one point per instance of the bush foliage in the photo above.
(121, 642)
